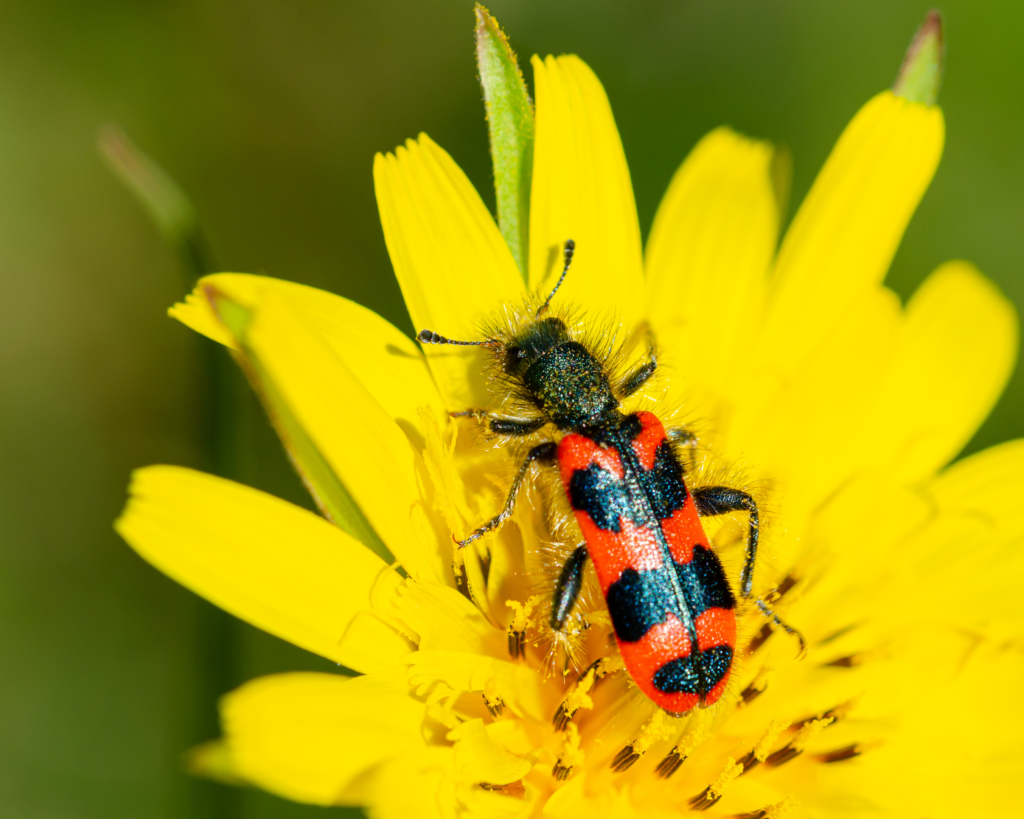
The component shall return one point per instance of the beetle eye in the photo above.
(514, 357)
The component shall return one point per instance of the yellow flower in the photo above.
(803, 376)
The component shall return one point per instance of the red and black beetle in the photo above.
(670, 602)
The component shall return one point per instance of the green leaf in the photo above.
(161, 196)
(511, 126)
(330, 494)
(921, 73)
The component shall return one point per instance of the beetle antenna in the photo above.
(570, 246)
(430, 337)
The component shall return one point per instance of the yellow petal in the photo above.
(272, 564)
(987, 484)
(956, 538)
(479, 758)
(514, 684)
(982, 529)
(944, 768)
(958, 346)
(451, 261)
(442, 619)
(363, 446)
(371, 645)
(805, 432)
(581, 191)
(849, 226)
(419, 784)
(711, 244)
(850, 553)
(386, 361)
(307, 736)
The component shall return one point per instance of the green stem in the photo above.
(218, 390)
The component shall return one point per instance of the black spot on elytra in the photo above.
(703, 581)
(638, 601)
(667, 487)
(696, 674)
(605, 499)
(595, 491)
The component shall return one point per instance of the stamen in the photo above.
(683, 749)
(836, 713)
(848, 661)
(713, 792)
(835, 635)
(776, 811)
(516, 788)
(624, 759)
(855, 659)
(670, 764)
(495, 705)
(840, 754)
(579, 697)
(571, 755)
(796, 745)
(786, 585)
(660, 726)
(516, 643)
(517, 626)
(761, 751)
(759, 639)
(560, 772)
(756, 688)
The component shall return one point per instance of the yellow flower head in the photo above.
(806, 382)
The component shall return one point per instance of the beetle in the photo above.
(671, 605)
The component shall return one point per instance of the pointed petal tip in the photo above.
(920, 76)
(581, 188)
(233, 315)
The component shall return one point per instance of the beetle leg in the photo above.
(542, 453)
(774, 618)
(642, 374)
(682, 437)
(567, 590)
(720, 500)
(514, 427)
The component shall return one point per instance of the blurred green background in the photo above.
(269, 113)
